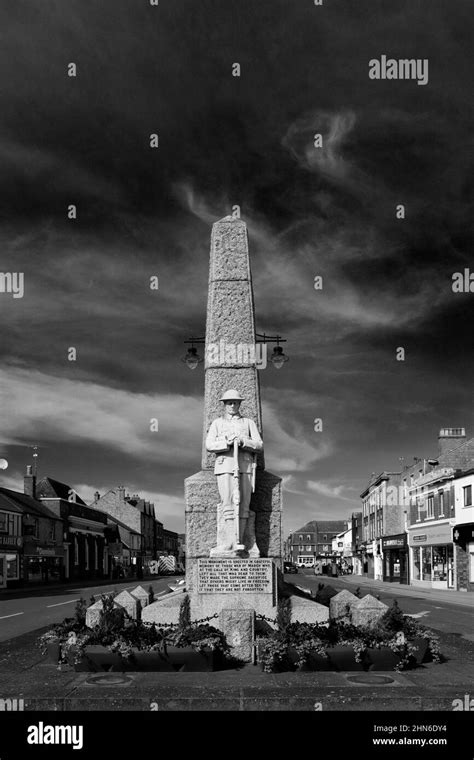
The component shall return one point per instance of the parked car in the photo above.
(289, 567)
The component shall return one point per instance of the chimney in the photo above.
(449, 438)
(121, 493)
(96, 496)
(29, 482)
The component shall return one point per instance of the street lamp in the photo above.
(3, 464)
(278, 358)
(192, 358)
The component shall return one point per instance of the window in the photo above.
(52, 531)
(417, 563)
(301, 538)
(76, 551)
(441, 503)
(3, 522)
(430, 506)
(325, 538)
(308, 538)
(440, 563)
(308, 548)
(36, 528)
(86, 554)
(420, 507)
(426, 563)
(467, 491)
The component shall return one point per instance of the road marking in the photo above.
(419, 614)
(69, 601)
(14, 615)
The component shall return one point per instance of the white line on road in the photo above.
(69, 601)
(14, 615)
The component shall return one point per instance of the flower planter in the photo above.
(421, 649)
(380, 659)
(190, 660)
(53, 650)
(342, 658)
(314, 662)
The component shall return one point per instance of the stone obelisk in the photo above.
(230, 324)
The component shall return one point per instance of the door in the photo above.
(3, 571)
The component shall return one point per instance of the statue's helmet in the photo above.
(231, 395)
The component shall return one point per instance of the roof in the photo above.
(54, 489)
(20, 502)
(323, 526)
(111, 518)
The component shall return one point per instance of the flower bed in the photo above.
(396, 642)
(119, 643)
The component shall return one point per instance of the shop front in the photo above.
(432, 556)
(43, 564)
(395, 558)
(10, 564)
(463, 539)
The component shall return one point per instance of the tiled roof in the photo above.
(54, 489)
(20, 502)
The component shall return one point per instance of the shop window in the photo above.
(430, 507)
(440, 566)
(12, 566)
(467, 491)
(426, 564)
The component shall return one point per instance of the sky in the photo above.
(144, 212)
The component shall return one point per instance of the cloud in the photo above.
(333, 492)
(328, 159)
(43, 407)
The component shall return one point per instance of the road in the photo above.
(437, 612)
(21, 614)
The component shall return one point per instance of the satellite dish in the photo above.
(3, 464)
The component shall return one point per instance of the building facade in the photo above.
(136, 514)
(85, 552)
(313, 542)
(463, 530)
(384, 548)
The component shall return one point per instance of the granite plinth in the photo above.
(202, 498)
(239, 629)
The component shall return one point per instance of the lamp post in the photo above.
(278, 358)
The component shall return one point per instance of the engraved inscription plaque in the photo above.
(235, 576)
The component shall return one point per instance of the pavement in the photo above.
(369, 585)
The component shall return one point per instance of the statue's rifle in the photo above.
(236, 491)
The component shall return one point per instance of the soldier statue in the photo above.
(235, 440)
